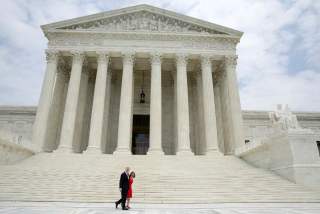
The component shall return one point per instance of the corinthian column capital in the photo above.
(230, 60)
(155, 58)
(128, 57)
(181, 59)
(78, 56)
(52, 55)
(103, 57)
(205, 60)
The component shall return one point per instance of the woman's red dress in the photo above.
(130, 188)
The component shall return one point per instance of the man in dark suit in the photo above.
(123, 187)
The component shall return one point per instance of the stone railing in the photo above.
(12, 150)
(292, 154)
(16, 138)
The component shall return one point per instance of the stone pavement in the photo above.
(99, 208)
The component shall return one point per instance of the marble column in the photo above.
(201, 150)
(234, 114)
(40, 127)
(183, 128)
(155, 106)
(64, 96)
(219, 112)
(106, 144)
(174, 118)
(126, 106)
(56, 109)
(82, 104)
(71, 106)
(87, 113)
(98, 107)
(209, 113)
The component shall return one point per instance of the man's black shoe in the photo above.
(125, 208)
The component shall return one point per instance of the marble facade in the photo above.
(147, 81)
(91, 87)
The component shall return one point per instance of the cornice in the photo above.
(143, 35)
(138, 8)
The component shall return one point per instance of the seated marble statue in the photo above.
(283, 118)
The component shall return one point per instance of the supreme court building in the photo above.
(157, 91)
(139, 80)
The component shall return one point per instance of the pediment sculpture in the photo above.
(142, 21)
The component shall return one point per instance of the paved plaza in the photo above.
(99, 208)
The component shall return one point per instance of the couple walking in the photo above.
(125, 187)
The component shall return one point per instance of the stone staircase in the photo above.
(166, 179)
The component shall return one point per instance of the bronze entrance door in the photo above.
(140, 134)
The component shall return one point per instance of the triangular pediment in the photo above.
(141, 18)
(142, 21)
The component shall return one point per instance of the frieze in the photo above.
(106, 40)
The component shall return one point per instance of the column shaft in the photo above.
(56, 110)
(98, 108)
(40, 127)
(126, 105)
(82, 104)
(155, 106)
(235, 113)
(87, 113)
(210, 125)
(200, 120)
(71, 106)
(219, 112)
(63, 104)
(183, 128)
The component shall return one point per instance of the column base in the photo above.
(121, 151)
(93, 151)
(155, 152)
(184, 153)
(213, 152)
(64, 150)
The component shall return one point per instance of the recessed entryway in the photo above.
(140, 134)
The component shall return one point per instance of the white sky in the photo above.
(279, 54)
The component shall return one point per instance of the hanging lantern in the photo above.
(142, 94)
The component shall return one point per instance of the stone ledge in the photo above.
(11, 153)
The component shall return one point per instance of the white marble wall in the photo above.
(17, 122)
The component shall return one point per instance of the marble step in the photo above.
(48, 177)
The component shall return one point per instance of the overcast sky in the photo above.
(279, 53)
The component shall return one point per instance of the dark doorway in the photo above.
(140, 134)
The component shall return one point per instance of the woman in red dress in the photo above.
(129, 196)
